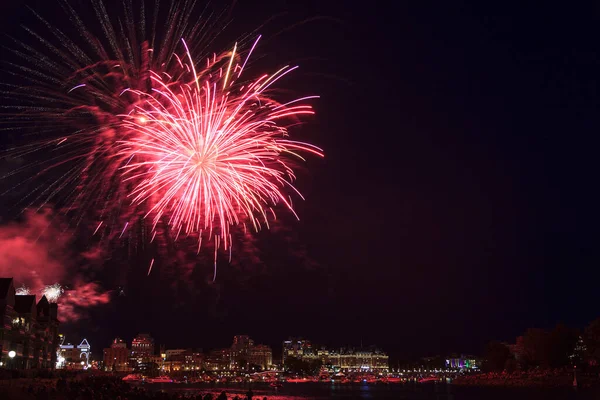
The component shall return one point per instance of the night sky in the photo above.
(457, 201)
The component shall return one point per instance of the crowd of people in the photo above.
(101, 388)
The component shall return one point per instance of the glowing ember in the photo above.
(53, 292)
(23, 291)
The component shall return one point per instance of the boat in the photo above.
(132, 378)
(160, 379)
(298, 380)
(428, 379)
(338, 377)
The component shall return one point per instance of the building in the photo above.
(142, 347)
(28, 329)
(517, 350)
(298, 348)
(242, 343)
(74, 357)
(169, 354)
(182, 360)
(260, 355)
(49, 338)
(245, 354)
(348, 360)
(220, 360)
(463, 362)
(365, 360)
(116, 357)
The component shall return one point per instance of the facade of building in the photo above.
(74, 357)
(463, 362)
(116, 357)
(142, 348)
(370, 359)
(298, 348)
(169, 354)
(28, 329)
(245, 354)
(352, 360)
(517, 350)
(182, 361)
(260, 355)
(220, 360)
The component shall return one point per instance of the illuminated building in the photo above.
(298, 348)
(142, 347)
(27, 328)
(220, 360)
(579, 351)
(242, 343)
(463, 362)
(351, 360)
(183, 360)
(69, 357)
(85, 352)
(169, 354)
(116, 357)
(245, 354)
(260, 355)
(347, 360)
(74, 357)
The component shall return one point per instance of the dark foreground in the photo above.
(109, 388)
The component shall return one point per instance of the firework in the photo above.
(159, 134)
(64, 94)
(209, 154)
(53, 292)
(23, 291)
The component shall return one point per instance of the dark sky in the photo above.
(457, 201)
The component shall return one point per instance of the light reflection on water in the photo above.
(319, 391)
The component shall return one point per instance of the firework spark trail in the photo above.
(210, 154)
(53, 292)
(155, 134)
(23, 291)
(69, 96)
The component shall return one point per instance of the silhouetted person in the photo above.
(222, 396)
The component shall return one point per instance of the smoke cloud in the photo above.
(36, 252)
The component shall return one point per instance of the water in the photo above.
(320, 391)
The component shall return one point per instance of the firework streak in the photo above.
(147, 130)
(210, 154)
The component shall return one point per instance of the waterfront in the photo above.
(109, 388)
(321, 391)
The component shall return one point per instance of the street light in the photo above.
(12, 355)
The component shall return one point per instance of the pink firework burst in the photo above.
(53, 292)
(209, 153)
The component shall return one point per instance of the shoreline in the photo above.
(525, 380)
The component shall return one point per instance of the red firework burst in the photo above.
(209, 153)
(130, 132)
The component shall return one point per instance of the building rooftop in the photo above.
(43, 307)
(24, 304)
(4, 286)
